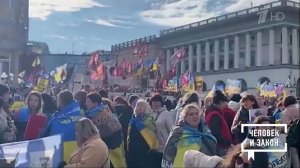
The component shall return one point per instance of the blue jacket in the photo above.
(23, 115)
(64, 121)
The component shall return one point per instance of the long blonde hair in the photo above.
(145, 104)
(85, 130)
(185, 111)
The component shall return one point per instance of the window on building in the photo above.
(280, 37)
(212, 67)
(195, 66)
(194, 51)
(231, 63)
(202, 65)
(231, 44)
(291, 57)
(291, 39)
(221, 65)
(202, 49)
(242, 55)
(222, 47)
(252, 58)
(211, 48)
(280, 56)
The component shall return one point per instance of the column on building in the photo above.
(271, 47)
(284, 46)
(295, 47)
(248, 50)
(199, 57)
(182, 66)
(207, 56)
(168, 59)
(236, 52)
(259, 49)
(226, 53)
(190, 61)
(178, 66)
(216, 55)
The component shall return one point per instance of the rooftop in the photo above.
(232, 15)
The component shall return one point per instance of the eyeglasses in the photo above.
(239, 161)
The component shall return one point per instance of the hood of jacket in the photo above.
(161, 109)
(212, 108)
(235, 106)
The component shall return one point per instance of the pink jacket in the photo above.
(290, 113)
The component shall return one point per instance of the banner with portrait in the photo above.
(199, 83)
(43, 153)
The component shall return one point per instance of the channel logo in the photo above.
(264, 136)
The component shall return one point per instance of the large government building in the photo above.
(14, 22)
(254, 45)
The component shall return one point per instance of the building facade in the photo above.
(14, 23)
(254, 45)
(51, 61)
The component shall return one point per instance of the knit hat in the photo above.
(193, 158)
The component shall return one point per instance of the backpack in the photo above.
(293, 137)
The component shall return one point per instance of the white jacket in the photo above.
(164, 123)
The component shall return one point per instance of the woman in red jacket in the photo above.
(217, 122)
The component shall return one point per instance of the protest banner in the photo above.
(43, 83)
(44, 153)
(267, 90)
(253, 113)
(199, 83)
(188, 87)
(214, 88)
(173, 84)
(233, 87)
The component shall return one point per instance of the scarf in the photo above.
(183, 138)
(110, 130)
(146, 126)
(93, 112)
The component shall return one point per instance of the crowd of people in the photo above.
(188, 132)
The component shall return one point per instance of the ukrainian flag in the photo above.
(146, 127)
(117, 156)
(36, 62)
(64, 122)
